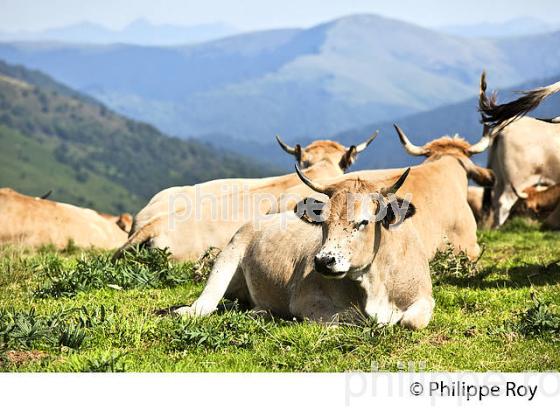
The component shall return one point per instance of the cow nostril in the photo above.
(322, 263)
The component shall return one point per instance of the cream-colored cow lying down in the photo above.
(189, 219)
(30, 221)
(350, 263)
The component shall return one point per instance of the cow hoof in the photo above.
(185, 311)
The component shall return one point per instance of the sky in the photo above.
(247, 15)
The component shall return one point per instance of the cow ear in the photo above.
(310, 210)
(398, 209)
(349, 157)
(482, 176)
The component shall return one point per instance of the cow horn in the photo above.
(409, 146)
(46, 195)
(314, 186)
(395, 187)
(480, 145)
(364, 145)
(286, 147)
(522, 195)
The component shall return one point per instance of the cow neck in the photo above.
(323, 169)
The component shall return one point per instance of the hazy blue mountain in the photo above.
(300, 83)
(521, 26)
(139, 31)
(462, 118)
(386, 151)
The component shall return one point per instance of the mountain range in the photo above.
(139, 31)
(54, 138)
(301, 83)
(521, 26)
(460, 118)
(386, 151)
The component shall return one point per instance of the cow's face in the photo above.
(330, 151)
(125, 222)
(456, 147)
(538, 200)
(351, 223)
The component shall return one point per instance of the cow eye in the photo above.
(362, 224)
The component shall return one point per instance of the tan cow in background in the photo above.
(279, 265)
(30, 221)
(188, 220)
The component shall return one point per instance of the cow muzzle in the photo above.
(327, 266)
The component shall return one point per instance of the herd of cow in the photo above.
(372, 233)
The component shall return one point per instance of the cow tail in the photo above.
(498, 116)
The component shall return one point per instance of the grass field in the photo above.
(75, 311)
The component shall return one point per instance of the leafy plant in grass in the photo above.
(540, 319)
(27, 329)
(449, 263)
(215, 332)
(105, 363)
(144, 268)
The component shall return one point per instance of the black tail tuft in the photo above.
(495, 115)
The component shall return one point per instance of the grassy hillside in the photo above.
(63, 312)
(324, 79)
(53, 138)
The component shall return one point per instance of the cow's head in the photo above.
(352, 220)
(456, 147)
(538, 200)
(330, 151)
(125, 222)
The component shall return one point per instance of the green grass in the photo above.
(75, 311)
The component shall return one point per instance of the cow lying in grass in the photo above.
(321, 267)
(541, 202)
(188, 220)
(439, 188)
(30, 221)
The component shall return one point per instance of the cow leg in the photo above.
(502, 203)
(419, 314)
(315, 306)
(225, 268)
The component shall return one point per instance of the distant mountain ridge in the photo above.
(300, 83)
(139, 31)
(460, 118)
(522, 26)
(53, 138)
(386, 151)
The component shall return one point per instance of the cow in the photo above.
(123, 221)
(188, 220)
(542, 203)
(524, 149)
(347, 263)
(474, 199)
(30, 221)
(439, 189)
